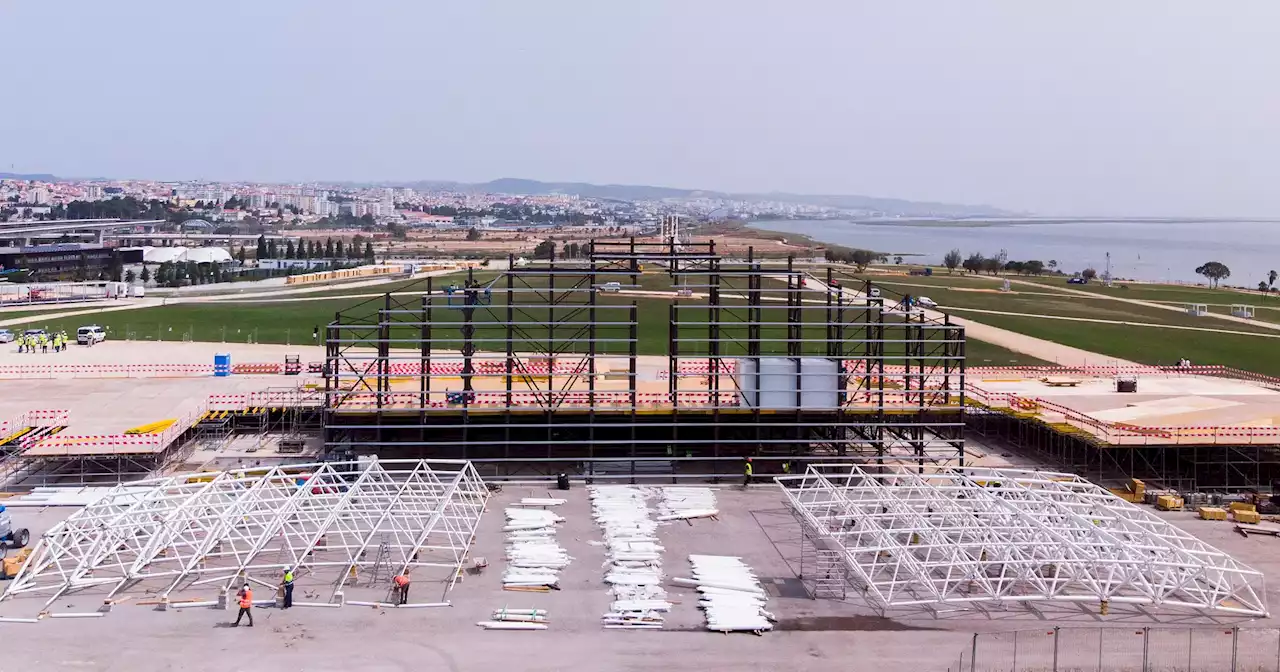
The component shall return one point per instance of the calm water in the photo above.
(1143, 251)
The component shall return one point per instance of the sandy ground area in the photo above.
(812, 634)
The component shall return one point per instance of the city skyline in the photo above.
(1143, 108)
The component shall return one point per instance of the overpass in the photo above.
(27, 234)
(165, 239)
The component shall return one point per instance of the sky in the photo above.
(1140, 107)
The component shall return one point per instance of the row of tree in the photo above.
(993, 265)
(359, 249)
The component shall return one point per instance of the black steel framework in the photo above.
(630, 363)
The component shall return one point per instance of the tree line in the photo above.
(360, 249)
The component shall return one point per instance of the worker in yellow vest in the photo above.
(747, 473)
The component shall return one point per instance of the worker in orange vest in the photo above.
(246, 605)
(402, 588)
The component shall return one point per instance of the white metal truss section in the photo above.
(911, 535)
(215, 527)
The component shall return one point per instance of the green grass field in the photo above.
(1180, 294)
(1067, 305)
(292, 322)
(19, 314)
(1151, 345)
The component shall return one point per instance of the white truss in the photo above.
(913, 535)
(214, 527)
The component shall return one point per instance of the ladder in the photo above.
(382, 561)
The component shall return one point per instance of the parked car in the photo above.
(926, 302)
(6, 336)
(34, 332)
(1077, 281)
(90, 334)
(611, 287)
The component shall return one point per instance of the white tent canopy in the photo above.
(200, 255)
(911, 535)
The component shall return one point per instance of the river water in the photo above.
(1139, 250)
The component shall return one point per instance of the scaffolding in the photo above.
(170, 534)
(971, 536)
(644, 360)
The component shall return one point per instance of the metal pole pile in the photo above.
(534, 557)
(633, 557)
(729, 594)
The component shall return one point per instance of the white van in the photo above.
(90, 335)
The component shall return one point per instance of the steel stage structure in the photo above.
(645, 360)
(335, 523)
(1230, 465)
(942, 537)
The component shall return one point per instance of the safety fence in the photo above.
(1110, 371)
(33, 419)
(1123, 649)
(616, 399)
(48, 371)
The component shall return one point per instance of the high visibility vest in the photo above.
(748, 471)
(246, 599)
(402, 580)
(288, 578)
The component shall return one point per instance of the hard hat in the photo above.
(748, 459)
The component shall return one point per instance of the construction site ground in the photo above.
(756, 526)
(1162, 400)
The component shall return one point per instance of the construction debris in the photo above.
(730, 594)
(633, 557)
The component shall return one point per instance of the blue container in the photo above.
(222, 365)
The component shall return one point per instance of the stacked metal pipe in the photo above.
(633, 557)
(685, 503)
(729, 594)
(534, 558)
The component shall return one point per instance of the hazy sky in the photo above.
(1069, 106)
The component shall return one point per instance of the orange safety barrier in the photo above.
(255, 369)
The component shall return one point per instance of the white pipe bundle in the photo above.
(730, 595)
(534, 558)
(634, 557)
(540, 501)
(682, 503)
(511, 625)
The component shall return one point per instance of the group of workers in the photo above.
(42, 341)
(244, 597)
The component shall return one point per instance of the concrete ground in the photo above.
(811, 634)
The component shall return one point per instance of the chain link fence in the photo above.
(1124, 649)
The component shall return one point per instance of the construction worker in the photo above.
(402, 588)
(246, 605)
(288, 588)
(786, 467)
(44, 344)
(747, 473)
